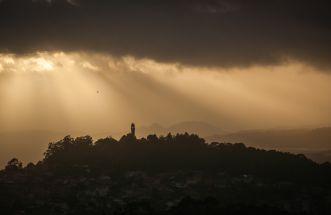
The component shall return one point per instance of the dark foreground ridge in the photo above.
(178, 174)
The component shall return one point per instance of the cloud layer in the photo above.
(97, 93)
(194, 32)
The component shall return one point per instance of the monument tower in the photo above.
(133, 130)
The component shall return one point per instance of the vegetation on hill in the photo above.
(173, 174)
(181, 152)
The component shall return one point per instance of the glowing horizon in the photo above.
(81, 90)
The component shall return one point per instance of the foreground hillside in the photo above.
(164, 175)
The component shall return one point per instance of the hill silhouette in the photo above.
(314, 143)
(172, 174)
(181, 152)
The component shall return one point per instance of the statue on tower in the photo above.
(133, 130)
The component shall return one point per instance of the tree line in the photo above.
(156, 154)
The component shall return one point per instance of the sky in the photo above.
(95, 66)
(91, 93)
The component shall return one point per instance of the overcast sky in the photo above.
(94, 66)
(194, 32)
(71, 64)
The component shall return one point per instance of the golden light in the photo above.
(80, 93)
(98, 93)
(43, 64)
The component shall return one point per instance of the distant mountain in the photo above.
(196, 127)
(152, 129)
(315, 143)
(201, 128)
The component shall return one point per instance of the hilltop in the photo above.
(171, 174)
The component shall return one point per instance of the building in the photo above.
(133, 130)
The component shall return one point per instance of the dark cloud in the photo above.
(199, 32)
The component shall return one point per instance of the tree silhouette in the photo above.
(14, 165)
(106, 141)
(79, 165)
(182, 152)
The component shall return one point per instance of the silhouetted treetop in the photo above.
(88, 175)
(181, 152)
(106, 141)
(13, 165)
